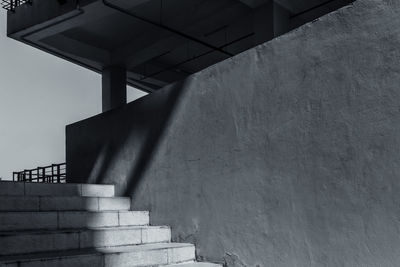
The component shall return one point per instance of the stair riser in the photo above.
(35, 243)
(12, 189)
(10, 221)
(150, 258)
(43, 189)
(128, 259)
(34, 203)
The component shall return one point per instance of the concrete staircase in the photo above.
(81, 225)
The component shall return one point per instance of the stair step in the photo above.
(46, 189)
(53, 203)
(40, 241)
(127, 256)
(84, 225)
(195, 264)
(13, 221)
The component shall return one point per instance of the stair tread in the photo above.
(93, 251)
(55, 189)
(75, 211)
(63, 203)
(14, 182)
(78, 230)
(28, 220)
(63, 197)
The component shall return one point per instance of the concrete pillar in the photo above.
(270, 21)
(113, 87)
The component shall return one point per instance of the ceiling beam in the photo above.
(151, 44)
(257, 3)
(78, 48)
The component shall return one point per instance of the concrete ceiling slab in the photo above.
(294, 6)
(254, 3)
(297, 6)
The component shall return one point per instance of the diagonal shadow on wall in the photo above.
(141, 123)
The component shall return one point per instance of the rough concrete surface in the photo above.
(285, 155)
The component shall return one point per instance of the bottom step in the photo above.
(127, 256)
(195, 264)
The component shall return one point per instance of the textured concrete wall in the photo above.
(286, 155)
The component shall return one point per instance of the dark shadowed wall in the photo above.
(286, 155)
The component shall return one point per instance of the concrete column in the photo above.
(270, 21)
(113, 87)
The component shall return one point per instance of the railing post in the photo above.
(52, 173)
(58, 174)
(65, 173)
(43, 175)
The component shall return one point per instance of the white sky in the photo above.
(39, 95)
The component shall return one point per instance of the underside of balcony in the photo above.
(157, 42)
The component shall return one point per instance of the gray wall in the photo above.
(286, 155)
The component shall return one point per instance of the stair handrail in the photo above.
(54, 173)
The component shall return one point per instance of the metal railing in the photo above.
(55, 173)
(10, 5)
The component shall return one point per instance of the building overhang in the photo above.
(158, 42)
